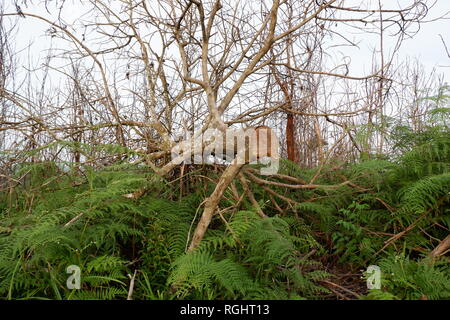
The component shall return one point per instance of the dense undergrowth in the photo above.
(64, 214)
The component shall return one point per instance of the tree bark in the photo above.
(211, 203)
(290, 139)
(441, 248)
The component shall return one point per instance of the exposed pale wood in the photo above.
(441, 248)
(212, 202)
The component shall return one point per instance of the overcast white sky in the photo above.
(427, 46)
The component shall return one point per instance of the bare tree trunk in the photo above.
(213, 200)
(290, 141)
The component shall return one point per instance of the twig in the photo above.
(342, 288)
(411, 226)
(251, 196)
(445, 46)
(130, 290)
(73, 220)
(441, 248)
(339, 294)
